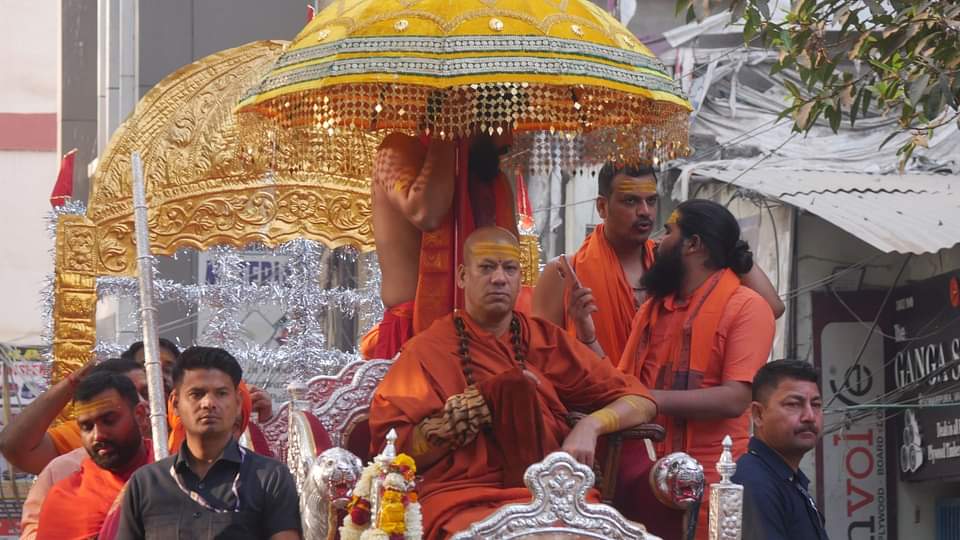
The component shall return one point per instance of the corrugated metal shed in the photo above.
(911, 213)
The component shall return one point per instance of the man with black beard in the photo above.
(110, 414)
(700, 338)
(600, 304)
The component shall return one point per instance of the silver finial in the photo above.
(298, 395)
(389, 449)
(726, 466)
(726, 499)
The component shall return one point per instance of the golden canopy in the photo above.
(452, 68)
(204, 187)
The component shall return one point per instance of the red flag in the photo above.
(525, 224)
(63, 189)
(311, 11)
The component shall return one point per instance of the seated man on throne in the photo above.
(484, 393)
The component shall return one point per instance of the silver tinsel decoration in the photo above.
(304, 351)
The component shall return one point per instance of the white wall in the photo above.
(28, 84)
(28, 46)
(24, 258)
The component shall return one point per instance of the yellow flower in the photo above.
(404, 461)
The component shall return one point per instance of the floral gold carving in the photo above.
(75, 294)
(529, 259)
(205, 187)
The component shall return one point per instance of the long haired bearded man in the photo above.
(699, 339)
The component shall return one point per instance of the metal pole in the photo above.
(158, 400)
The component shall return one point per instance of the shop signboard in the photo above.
(926, 377)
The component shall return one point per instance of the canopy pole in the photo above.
(158, 401)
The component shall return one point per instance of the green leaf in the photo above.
(865, 105)
(934, 102)
(684, 5)
(918, 87)
(833, 115)
(792, 88)
(856, 106)
(750, 25)
(785, 38)
(889, 138)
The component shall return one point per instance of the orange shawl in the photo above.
(76, 507)
(468, 484)
(442, 250)
(598, 268)
(680, 360)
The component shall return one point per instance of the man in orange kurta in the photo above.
(484, 393)
(111, 417)
(701, 337)
(428, 196)
(609, 264)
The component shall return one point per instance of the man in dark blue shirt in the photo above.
(787, 419)
(212, 488)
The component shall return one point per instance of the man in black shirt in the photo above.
(212, 488)
(787, 419)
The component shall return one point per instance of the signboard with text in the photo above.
(926, 373)
(853, 482)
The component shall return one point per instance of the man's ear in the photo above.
(756, 413)
(693, 244)
(175, 401)
(140, 411)
(602, 203)
(461, 276)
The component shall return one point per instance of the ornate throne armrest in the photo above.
(654, 432)
(607, 467)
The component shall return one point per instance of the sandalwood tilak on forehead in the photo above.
(495, 250)
(95, 407)
(629, 185)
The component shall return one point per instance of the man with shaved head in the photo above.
(417, 189)
(484, 393)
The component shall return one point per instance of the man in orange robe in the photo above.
(610, 265)
(427, 198)
(111, 417)
(484, 393)
(701, 337)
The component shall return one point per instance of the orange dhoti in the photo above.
(384, 340)
(528, 421)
